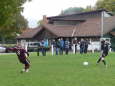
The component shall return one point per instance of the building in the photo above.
(92, 25)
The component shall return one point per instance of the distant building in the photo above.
(82, 25)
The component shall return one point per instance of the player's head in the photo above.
(102, 41)
(106, 42)
(18, 46)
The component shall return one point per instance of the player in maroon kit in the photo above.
(22, 56)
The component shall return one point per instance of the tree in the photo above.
(10, 10)
(72, 10)
(106, 4)
(89, 8)
(10, 32)
(20, 24)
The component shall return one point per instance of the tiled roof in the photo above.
(29, 33)
(109, 24)
(95, 11)
(60, 30)
(91, 27)
(112, 33)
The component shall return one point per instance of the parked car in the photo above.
(33, 46)
(2, 49)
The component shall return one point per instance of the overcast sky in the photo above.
(34, 10)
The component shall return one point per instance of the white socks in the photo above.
(23, 70)
(27, 70)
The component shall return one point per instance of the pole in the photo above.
(102, 17)
(73, 48)
(52, 48)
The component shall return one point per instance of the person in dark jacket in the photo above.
(61, 44)
(82, 46)
(57, 46)
(67, 43)
(104, 52)
(38, 49)
(86, 43)
(75, 42)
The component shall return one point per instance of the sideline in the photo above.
(6, 53)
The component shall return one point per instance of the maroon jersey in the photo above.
(21, 53)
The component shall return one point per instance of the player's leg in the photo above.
(103, 60)
(27, 65)
(99, 59)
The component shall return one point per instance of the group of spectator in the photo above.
(84, 46)
(42, 46)
(60, 45)
(63, 45)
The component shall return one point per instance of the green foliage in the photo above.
(72, 10)
(20, 23)
(10, 17)
(106, 4)
(10, 32)
(66, 70)
(40, 22)
(8, 9)
(89, 8)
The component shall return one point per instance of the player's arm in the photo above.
(11, 49)
(26, 54)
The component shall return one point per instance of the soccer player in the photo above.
(22, 55)
(104, 52)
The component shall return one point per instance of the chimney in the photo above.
(45, 20)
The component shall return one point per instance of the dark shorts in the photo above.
(26, 62)
(104, 54)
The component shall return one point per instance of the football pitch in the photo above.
(62, 70)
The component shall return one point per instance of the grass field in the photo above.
(58, 71)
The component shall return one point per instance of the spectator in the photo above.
(75, 42)
(43, 48)
(61, 41)
(67, 43)
(57, 46)
(82, 46)
(86, 43)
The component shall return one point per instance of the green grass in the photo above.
(58, 71)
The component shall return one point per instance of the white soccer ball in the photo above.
(85, 63)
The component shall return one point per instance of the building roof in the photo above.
(112, 33)
(68, 19)
(90, 27)
(60, 30)
(109, 24)
(89, 12)
(29, 33)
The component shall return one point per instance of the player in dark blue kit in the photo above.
(22, 57)
(104, 52)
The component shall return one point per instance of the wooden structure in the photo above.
(81, 25)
